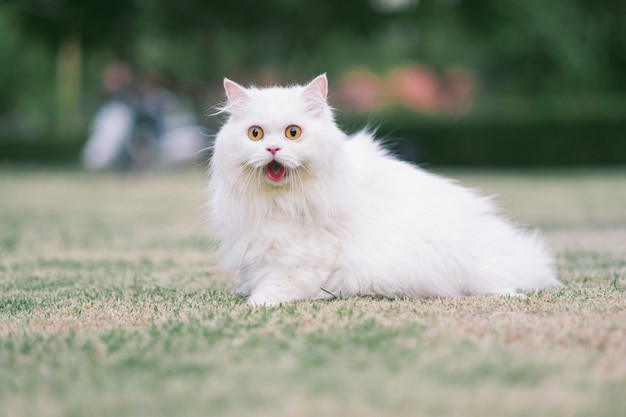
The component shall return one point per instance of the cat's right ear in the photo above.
(315, 94)
(236, 94)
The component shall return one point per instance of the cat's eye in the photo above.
(255, 133)
(293, 132)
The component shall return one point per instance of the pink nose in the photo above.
(273, 149)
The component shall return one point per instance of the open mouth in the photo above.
(275, 171)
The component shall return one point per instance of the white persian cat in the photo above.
(303, 210)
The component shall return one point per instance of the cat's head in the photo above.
(277, 135)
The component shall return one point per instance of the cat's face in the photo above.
(276, 135)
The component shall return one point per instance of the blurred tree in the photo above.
(563, 45)
(24, 81)
(248, 34)
(525, 48)
(68, 26)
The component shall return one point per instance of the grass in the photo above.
(111, 305)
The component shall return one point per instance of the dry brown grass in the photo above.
(111, 304)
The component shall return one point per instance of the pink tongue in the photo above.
(275, 171)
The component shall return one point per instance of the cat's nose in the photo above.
(273, 149)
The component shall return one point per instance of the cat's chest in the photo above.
(286, 227)
(295, 239)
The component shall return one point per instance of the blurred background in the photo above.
(450, 82)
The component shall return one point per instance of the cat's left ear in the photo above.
(236, 94)
(315, 94)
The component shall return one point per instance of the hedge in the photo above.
(473, 142)
(461, 142)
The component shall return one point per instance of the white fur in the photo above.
(349, 218)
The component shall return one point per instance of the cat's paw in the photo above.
(258, 301)
(511, 293)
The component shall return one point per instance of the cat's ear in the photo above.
(318, 87)
(315, 94)
(236, 94)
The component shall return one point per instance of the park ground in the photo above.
(111, 304)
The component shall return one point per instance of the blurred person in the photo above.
(139, 127)
(178, 138)
(113, 125)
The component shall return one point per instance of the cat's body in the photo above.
(303, 211)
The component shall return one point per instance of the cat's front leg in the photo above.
(271, 297)
(263, 300)
(289, 288)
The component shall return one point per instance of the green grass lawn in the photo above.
(111, 304)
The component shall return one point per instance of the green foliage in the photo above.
(25, 73)
(561, 46)
(540, 138)
(512, 48)
(96, 23)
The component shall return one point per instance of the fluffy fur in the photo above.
(346, 217)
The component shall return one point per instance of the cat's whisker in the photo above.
(245, 176)
(294, 178)
(241, 173)
(307, 170)
(314, 198)
(250, 178)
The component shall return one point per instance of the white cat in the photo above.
(304, 211)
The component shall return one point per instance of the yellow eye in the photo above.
(255, 133)
(293, 132)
